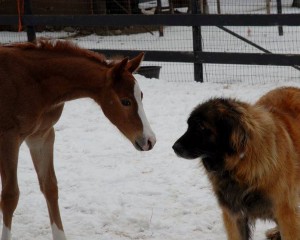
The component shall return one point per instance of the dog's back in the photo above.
(284, 104)
(284, 100)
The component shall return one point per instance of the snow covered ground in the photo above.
(110, 191)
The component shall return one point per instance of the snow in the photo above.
(110, 191)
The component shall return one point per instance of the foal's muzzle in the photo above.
(145, 143)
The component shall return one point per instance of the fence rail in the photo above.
(212, 57)
(157, 19)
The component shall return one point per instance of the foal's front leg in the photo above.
(9, 151)
(41, 150)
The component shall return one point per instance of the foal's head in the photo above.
(121, 102)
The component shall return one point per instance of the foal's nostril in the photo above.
(150, 144)
(144, 143)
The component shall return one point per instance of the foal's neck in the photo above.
(69, 78)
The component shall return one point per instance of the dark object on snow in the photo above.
(296, 3)
(149, 71)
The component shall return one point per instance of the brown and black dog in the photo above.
(251, 154)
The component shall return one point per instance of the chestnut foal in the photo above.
(35, 82)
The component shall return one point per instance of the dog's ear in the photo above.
(239, 138)
(233, 136)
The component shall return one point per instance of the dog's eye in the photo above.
(201, 126)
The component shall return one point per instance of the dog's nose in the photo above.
(177, 147)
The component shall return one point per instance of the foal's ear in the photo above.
(120, 67)
(135, 63)
(116, 70)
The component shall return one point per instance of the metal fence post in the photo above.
(197, 44)
(31, 37)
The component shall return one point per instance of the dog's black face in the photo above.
(209, 133)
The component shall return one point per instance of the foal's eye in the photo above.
(125, 102)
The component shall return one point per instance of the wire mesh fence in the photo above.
(171, 38)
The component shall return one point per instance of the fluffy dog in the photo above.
(251, 154)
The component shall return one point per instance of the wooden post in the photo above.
(204, 7)
(268, 6)
(31, 37)
(159, 10)
(197, 45)
(171, 6)
(219, 6)
(201, 6)
(99, 6)
(129, 7)
(279, 11)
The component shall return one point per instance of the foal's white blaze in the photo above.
(6, 234)
(57, 233)
(148, 134)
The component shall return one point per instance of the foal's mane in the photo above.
(62, 46)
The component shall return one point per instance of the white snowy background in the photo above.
(110, 191)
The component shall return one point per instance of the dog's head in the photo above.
(215, 129)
